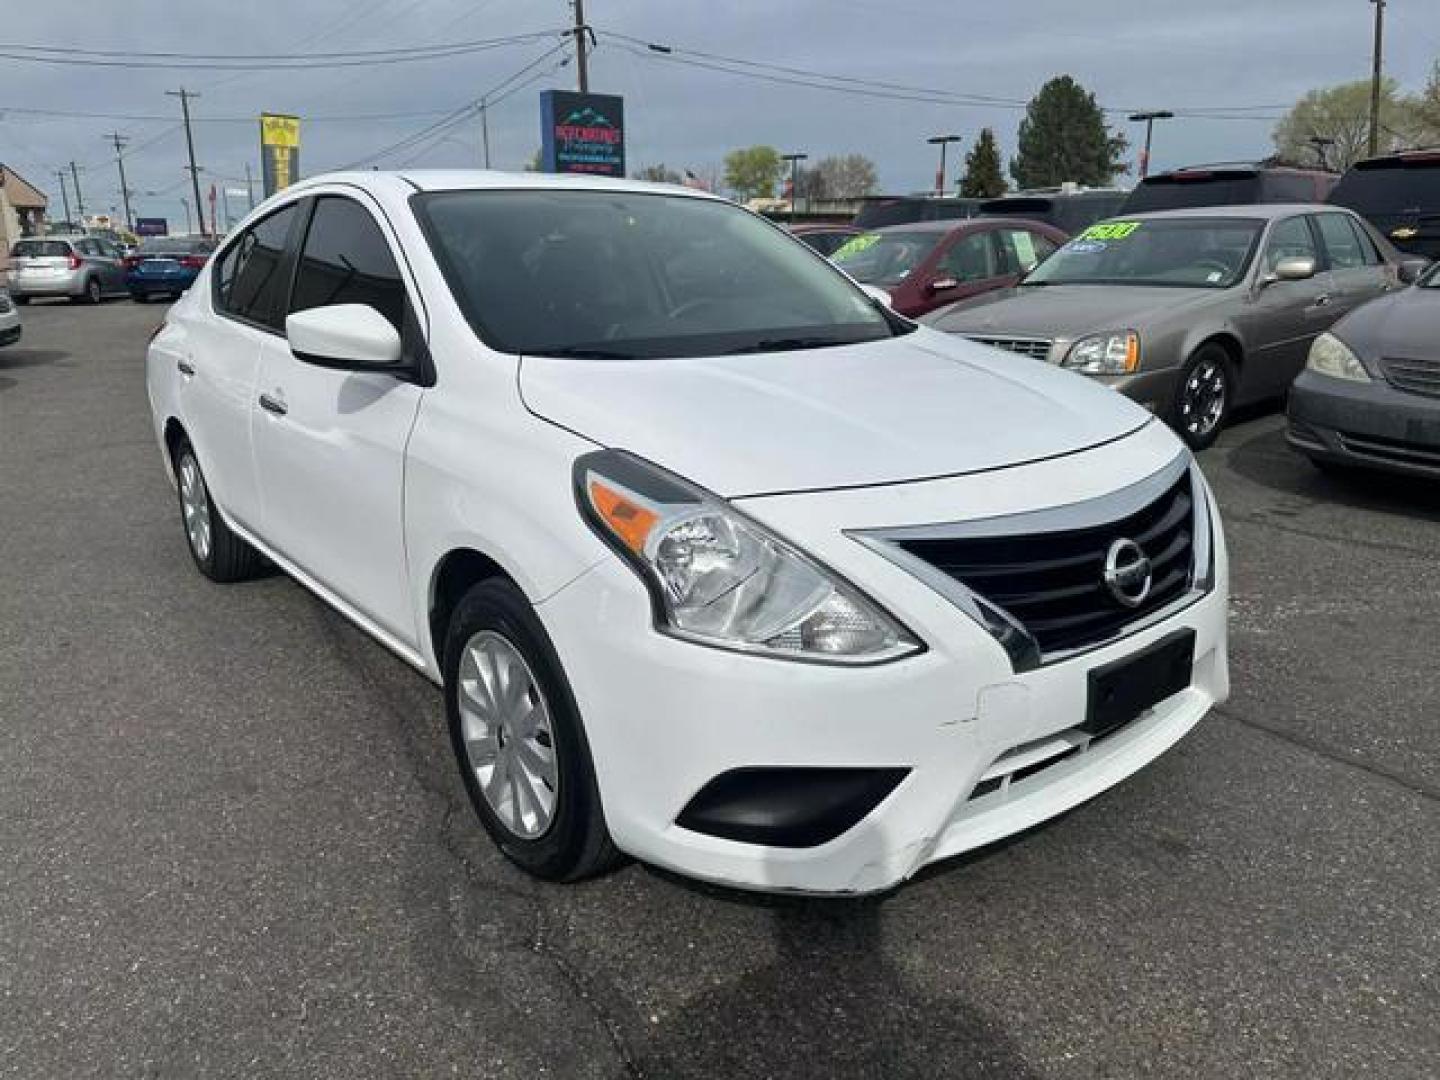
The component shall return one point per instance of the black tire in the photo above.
(21, 300)
(576, 844)
(93, 291)
(139, 297)
(1192, 414)
(228, 557)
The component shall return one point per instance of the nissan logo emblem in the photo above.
(1127, 572)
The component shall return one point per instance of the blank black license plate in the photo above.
(1121, 691)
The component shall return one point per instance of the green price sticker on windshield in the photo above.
(856, 245)
(1110, 230)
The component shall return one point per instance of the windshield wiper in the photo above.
(786, 344)
(583, 352)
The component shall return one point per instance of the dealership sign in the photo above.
(279, 151)
(151, 226)
(582, 133)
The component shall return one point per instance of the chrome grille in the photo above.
(1414, 376)
(1035, 581)
(1035, 348)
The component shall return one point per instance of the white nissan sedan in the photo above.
(720, 563)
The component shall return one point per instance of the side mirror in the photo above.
(1411, 269)
(1293, 268)
(351, 337)
(940, 284)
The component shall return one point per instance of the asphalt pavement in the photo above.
(233, 842)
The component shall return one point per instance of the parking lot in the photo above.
(235, 843)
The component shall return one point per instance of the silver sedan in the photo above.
(1191, 312)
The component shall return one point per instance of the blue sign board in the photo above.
(582, 133)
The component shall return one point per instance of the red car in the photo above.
(932, 263)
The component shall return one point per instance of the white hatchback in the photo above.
(720, 563)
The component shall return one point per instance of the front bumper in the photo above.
(985, 752)
(1368, 424)
(1153, 389)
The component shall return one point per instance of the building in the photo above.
(22, 210)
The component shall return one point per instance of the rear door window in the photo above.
(250, 278)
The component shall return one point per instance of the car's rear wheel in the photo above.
(218, 553)
(518, 738)
(1203, 396)
(93, 293)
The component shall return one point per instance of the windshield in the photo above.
(623, 274)
(886, 258)
(1194, 253)
(30, 249)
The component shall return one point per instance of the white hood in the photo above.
(910, 408)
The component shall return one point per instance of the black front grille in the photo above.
(1053, 583)
(1414, 376)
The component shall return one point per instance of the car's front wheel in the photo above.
(21, 300)
(518, 738)
(1203, 396)
(218, 553)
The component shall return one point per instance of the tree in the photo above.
(983, 178)
(1064, 137)
(658, 174)
(848, 176)
(1342, 113)
(812, 184)
(1427, 110)
(751, 173)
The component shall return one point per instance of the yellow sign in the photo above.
(278, 130)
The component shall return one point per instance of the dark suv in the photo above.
(1069, 211)
(878, 211)
(1400, 195)
(1229, 184)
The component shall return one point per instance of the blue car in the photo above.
(165, 266)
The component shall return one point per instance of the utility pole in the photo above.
(1375, 76)
(942, 141)
(794, 160)
(185, 96)
(249, 186)
(64, 194)
(79, 198)
(1149, 118)
(485, 130)
(582, 65)
(119, 141)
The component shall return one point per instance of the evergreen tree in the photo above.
(983, 178)
(1064, 137)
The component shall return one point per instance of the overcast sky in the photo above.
(1179, 54)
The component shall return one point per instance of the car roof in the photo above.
(424, 180)
(945, 225)
(1253, 211)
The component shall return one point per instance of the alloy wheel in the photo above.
(508, 735)
(195, 505)
(1203, 398)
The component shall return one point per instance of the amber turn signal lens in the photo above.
(628, 520)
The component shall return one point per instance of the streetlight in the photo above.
(942, 141)
(1149, 119)
(794, 160)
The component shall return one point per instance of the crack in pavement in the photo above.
(1333, 754)
(1310, 534)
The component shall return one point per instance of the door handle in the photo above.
(272, 404)
(186, 368)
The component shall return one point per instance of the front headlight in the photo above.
(719, 578)
(1331, 356)
(1105, 354)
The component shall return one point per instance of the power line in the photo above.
(134, 54)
